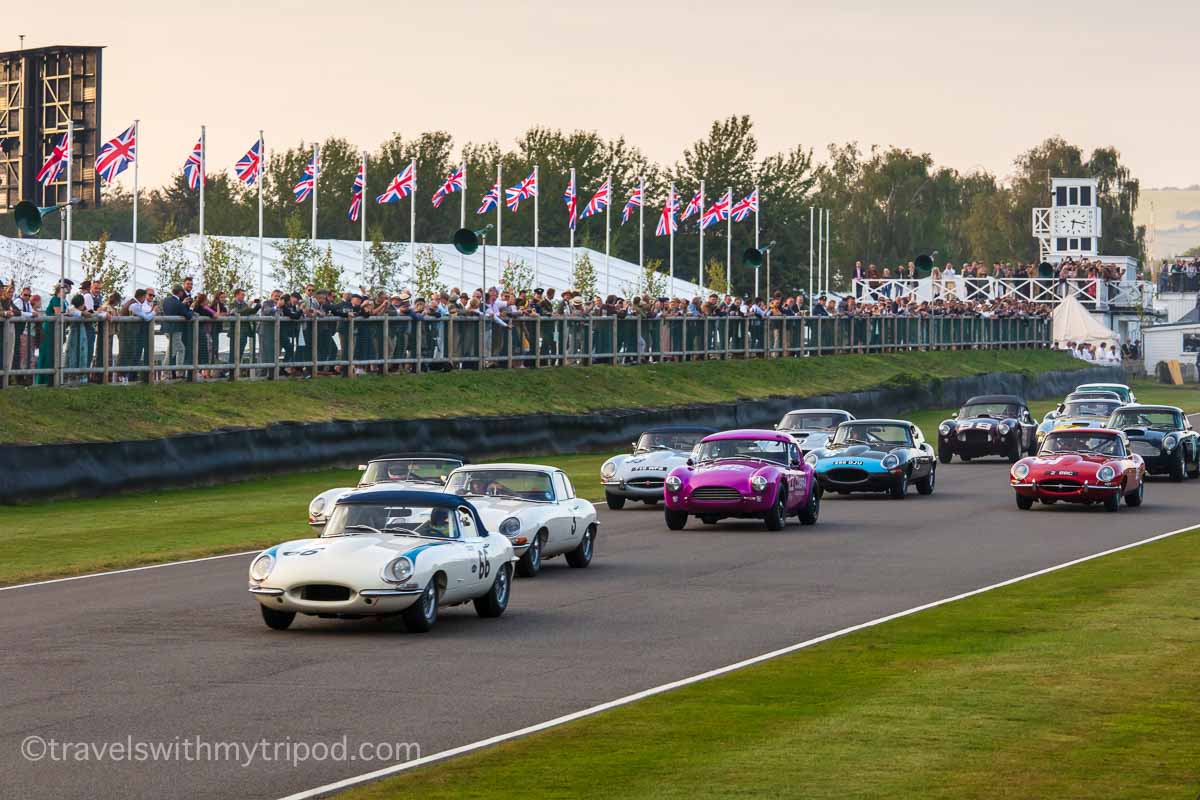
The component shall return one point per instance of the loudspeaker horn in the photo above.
(466, 241)
(28, 217)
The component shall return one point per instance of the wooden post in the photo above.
(235, 345)
(417, 352)
(386, 347)
(195, 376)
(350, 347)
(312, 344)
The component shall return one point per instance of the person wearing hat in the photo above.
(53, 308)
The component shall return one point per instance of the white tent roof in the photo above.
(1073, 323)
(40, 258)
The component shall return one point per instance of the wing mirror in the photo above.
(362, 467)
(691, 463)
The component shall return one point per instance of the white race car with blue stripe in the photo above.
(385, 552)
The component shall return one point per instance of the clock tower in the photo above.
(1070, 228)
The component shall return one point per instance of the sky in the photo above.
(974, 84)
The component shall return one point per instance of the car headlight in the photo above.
(317, 506)
(1105, 474)
(261, 567)
(811, 459)
(890, 461)
(510, 526)
(608, 469)
(673, 483)
(1169, 441)
(1020, 471)
(1004, 429)
(398, 570)
(944, 429)
(758, 483)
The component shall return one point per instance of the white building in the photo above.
(1175, 341)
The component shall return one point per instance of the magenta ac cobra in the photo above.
(745, 474)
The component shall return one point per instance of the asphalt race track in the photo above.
(180, 653)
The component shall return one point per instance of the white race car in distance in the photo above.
(420, 472)
(535, 507)
(812, 428)
(386, 552)
(640, 475)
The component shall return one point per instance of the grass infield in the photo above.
(107, 413)
(1080, 683)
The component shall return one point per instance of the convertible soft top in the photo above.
(399, 497)
(995, 398)
(446, 456)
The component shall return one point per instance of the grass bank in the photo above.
(1080, 684)
(106, 413)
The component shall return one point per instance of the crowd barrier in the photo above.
(56, 351)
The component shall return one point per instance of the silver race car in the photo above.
(640, 475)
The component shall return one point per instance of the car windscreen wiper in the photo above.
(367, 528)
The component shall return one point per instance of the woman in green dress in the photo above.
(46, 351)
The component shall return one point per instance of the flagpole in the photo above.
(575, 200)
(607, 230)
(362, 209)
(642, 222)
(462, 223)
(828, 217)
(262, 160)
(537, 189)
(729, 243)
(757, 203)
(316, 160)
(671, 234)
(70, 206)
(135, 203)
(412, 230)
(700, 281)
(820, 245)
(499, 222)
(203, 166)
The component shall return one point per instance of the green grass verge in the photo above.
(1079, 684)
(105, 413)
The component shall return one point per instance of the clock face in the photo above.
(1073, 221)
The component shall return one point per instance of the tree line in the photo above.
(888, 204)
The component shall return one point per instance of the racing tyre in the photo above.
(1176, 472)
(944, 454)
(925, 485)
(1014, 452)
(581, 556)
(615, 501)
(1024, 503)
(776, 518)
(675, 519)
(1112, 502)
(899, 489)
(495, 601)
(422, 615)
(277, 620)
(531, 563)
(1134, 499)
(1194, 471)
(812, 509)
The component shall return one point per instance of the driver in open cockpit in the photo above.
(397, 472)
(437, 525)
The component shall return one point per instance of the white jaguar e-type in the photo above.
(812, 428)
(535, 507)
(640, 475)
(421, 472)
(386, 552)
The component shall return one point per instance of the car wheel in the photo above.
(495, 601)
(1134, 499)
(1014, 452)
(1113, 501)
(615, 501)
(421, 616)
(675, 519)
(812, 509)
(1024, 503)
(776, 518)
(1176, 472)
(277, 620)
(899, 489)
(925, 485)
(945, 454)
(581, 556)
(530, 564)
(1194, 472)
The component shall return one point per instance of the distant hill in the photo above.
(1174, 215)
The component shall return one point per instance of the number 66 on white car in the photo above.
(535, 507)
(386, 552)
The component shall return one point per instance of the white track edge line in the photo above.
(346, 783)
(127, 570)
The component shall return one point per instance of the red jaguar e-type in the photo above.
(1081, 465)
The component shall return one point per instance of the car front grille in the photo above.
(645, 483)
(324, 593)
(847, 475)
(1060, 485)
(974, 437)
(716, 493)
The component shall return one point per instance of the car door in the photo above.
(560, 522)
(922, 454)
(474, 561)
(575, 512)
(1028, 429)
(795, 477)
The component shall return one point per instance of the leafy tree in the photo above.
(327, 274)
(516, 275)
(428, 267)
(226, 267)
(651, 283)
(26, 263)
(583, 279)
(172, 266)
(294, 267)
(714, 277)
(102, 265)
(382, 270)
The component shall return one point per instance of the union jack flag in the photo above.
(635, 201)
(304, 186)
(116, 155)
(193, 167)
(356, 194)
(56, 163)
(693, 207)
(249, 165)
(490, 199)
(570, 199)
(599, 200)
(742, 208)
(400, 187)
(454, 183)
(524, 190)
(718, 211)
(667, 224)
